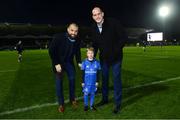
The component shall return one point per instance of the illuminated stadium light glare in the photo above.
(164, 11)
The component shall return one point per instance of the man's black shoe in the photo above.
(93, 108)
(102, 103)
(116, 110)
(85, 108)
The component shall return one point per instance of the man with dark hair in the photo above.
(108, 36)
(62, 50)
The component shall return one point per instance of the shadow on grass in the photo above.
(131, 95)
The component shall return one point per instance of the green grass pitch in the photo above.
(151, 86)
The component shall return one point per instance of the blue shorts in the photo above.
(89, 89)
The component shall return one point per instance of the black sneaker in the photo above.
(116, 110)
(101, 103)
(85, 108)
(93, 108)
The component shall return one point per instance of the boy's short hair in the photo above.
(90, 49)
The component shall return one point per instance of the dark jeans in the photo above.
(70, 70)
(116, 69)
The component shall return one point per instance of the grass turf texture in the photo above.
(32, 83)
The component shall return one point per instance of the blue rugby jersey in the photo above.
(90, 69)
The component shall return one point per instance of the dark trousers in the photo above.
(116, 70)
(70, 70)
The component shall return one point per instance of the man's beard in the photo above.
(71, 36)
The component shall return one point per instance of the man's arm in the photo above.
(94, 43)
(53, 50)
(83, 74)
(121, 33)
(97, 77)
(78, 54)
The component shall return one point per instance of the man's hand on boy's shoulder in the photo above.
(82, 84)
(79, 64)
(97, 84)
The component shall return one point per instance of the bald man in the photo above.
(62, 50)
(108, 36)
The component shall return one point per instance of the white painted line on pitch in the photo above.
(151, 56)
(4, 71)
(153, 83)
(27, 108)
(78, 98)
(33, 107)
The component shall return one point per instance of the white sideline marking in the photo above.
(152, 56)
(153, 83)
(3, 71)
(33, 107)
(78, 98)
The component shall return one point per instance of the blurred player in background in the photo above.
(19, 48)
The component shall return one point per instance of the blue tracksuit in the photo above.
(90, 71)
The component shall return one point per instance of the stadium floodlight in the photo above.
(164, 11)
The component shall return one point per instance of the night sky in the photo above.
(132, 13)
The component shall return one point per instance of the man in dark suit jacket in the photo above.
(62, 50)
(108, 36)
